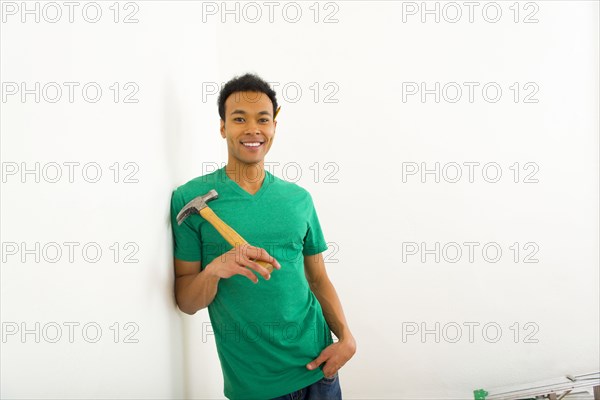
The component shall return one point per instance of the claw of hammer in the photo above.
(194, 206)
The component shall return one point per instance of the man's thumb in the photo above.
(314, 363)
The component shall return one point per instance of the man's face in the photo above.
(248, 127)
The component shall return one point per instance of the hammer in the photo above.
(198, 206)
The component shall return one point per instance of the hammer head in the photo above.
(194, 206)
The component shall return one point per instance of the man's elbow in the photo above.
(318, 282)
(188, 311)
(185, 307)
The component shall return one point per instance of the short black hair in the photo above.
(245, 83)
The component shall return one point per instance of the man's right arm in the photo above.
(194, 289)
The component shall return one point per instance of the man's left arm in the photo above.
(337, 354)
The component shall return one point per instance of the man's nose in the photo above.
(252, 128)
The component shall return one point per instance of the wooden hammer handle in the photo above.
(230, 235)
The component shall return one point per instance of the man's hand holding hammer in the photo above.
(195, 290)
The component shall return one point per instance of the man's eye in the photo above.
(265, 120)
(238, 119)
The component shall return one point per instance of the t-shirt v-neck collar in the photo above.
(234, 185)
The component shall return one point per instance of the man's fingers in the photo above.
(329, 373)
(257, 253)
(317, 361)
(257, 267)
(248, 274)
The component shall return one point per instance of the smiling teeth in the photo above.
(252, 144)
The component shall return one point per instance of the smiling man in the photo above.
(272, 330)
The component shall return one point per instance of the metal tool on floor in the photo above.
(568, 387)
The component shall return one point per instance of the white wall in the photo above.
(362, 143)
(157, 136)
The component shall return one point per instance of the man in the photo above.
(272, 330)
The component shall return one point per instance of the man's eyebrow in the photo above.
(244, 112)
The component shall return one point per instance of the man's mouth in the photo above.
(252, 144)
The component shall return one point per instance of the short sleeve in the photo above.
(186, 243)
(314, 242)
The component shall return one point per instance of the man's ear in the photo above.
(222, 129)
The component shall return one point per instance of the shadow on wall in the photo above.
(172, 144)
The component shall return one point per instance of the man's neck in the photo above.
(249, 177)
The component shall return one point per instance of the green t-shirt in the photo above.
(267, 332)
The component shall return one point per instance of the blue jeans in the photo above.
(325, 389)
